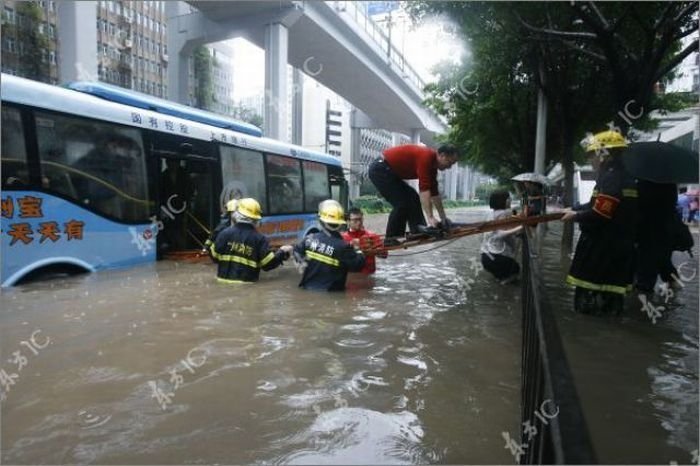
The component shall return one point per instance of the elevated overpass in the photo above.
(333, 42)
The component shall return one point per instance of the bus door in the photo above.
(187, 200)
(339, 186)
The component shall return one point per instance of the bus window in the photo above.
(14, 153)
(339, 187)
(243, 174)
(284, 182)
(315, 185)
(100, 165)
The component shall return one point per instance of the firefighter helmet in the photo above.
(232, 205)
(604, 140)
(249, 208)
(331, 212)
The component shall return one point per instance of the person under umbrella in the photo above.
(603, 265)
(530, 187)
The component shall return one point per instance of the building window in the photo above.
(10, 15)
(52, 31)
(11, 45)
(52, 57)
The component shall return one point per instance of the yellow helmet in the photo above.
(249, 208)
(232, 205)
(604, 140)
(331, 211)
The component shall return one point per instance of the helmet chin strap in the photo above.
(328, 228)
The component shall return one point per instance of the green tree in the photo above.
(249, 115)
(203, 70)
(613, 58)
(34, 61)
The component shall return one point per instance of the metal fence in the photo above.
(553, 426)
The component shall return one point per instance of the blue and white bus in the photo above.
(97, 177)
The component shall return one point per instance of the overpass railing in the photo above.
(380, 38)
(553, 427)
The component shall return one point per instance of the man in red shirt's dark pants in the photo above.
(409, 162)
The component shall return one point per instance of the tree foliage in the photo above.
(597, 63)
(34, 59)
(203, 70)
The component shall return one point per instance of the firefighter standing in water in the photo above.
(361, 238)
(325, 256)
(226, 220)
(603, 266)
(241, 251)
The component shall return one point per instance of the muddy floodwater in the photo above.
(417, 364)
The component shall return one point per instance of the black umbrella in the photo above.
(661, 162)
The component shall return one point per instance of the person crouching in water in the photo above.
(241, 251)
(498, 247)
(327, 258)
(358, 236)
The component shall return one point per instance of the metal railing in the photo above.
(380, 38)
(559, 433)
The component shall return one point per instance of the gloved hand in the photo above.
(300, 262)
(287, 250)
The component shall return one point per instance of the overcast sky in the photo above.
(417, 43)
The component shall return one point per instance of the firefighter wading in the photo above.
(604, 259)
(241, 251)
(327, 256)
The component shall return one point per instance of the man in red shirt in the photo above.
(361, 238)
(409, 162)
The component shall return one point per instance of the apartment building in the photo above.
(132, 45)
(29, 45)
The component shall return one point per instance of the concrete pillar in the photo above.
(415, 136)
(179, 51)
(77, 42)
(454, 180)
(541, 135)
(297, 106)
(276, 47)
(356, 168)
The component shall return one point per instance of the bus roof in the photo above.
(33, 93)
(145, 101)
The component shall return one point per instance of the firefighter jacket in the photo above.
(329, 259)
(604, 259)
(224, 223)
(241, 251)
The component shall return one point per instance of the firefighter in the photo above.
(225, 221)
(603, 267)
(241, 251)
(325, 256)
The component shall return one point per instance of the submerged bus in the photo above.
(97, 177)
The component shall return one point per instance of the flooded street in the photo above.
(636, 376)
(163, 365)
